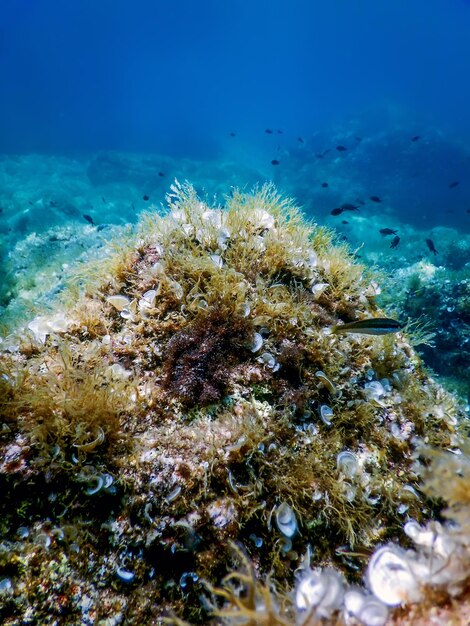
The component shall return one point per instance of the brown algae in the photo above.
(194, 370)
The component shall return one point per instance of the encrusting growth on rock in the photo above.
(194, 398)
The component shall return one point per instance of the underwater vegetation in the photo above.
(440, 296)
(185, 437)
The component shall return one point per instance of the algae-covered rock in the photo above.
(195, 396)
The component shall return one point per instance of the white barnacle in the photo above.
(347, 464)
(320, 590)
(286, 520)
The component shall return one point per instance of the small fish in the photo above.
(371, 326)
(319, 155)
(454, 184)
(145, 197)
(104, 200)
(279, 131)
(387, 231)
(161, 174)
(268, 131)
(337, 211)
(275, 162)
(324, 185)
(347, 206)
(133, 206)
(88, 219)
(359, 202)
(375, 199)
(416, 138)
(300, 140)
(341, 148)
(232, 135)
(358, 138)
(52, 203)
(395, 241)
(431, 246)
(344, 222)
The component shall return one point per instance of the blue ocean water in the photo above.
(340, 102)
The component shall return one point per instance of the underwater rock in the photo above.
(159, 439)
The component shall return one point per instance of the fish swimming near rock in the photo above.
(387, 231)
(347, 206)
(337, 211)
(395, 241)
(88, 218)
(431, 246)
(370, 326)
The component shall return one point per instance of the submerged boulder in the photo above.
(195, 397)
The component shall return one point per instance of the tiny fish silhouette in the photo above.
(268, 131)
(431, 246)
(145, 197)
(387, 231)
(416, 138)
(89, 219)
(344, 222)
(275, 162)
(161, 174)
(453, 184)
(300, 140)
(232, 134)
(337, 211)
(395, 241)
(341, 148)
(375, 199)
(347, 206)
(324, 185)
(279, 131)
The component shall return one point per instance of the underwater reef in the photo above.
(187, 439)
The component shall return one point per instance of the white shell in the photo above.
(390, 576)
(347, 464)
(125, 575)
(372, 613)
(217, 260)
(118, 302)
(326, 413)
(322, 590)
(257, 342)
(318, 289)
(286, 520)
